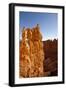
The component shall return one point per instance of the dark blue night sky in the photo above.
(48, 23)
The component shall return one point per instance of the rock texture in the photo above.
(51, 56)
(31, 53)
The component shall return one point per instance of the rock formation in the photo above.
(31, 53)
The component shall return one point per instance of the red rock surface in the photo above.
(51, 58)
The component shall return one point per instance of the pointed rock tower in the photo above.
(31, 53)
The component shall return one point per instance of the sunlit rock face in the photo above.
(31, 53)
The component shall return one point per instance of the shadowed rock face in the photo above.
(31, 53)
(51, 58)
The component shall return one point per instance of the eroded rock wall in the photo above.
(31, 53)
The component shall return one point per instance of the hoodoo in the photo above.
(31, 53)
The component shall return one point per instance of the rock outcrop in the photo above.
(31, 53)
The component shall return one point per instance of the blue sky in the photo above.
(48, 23)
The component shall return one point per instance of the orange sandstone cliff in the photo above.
(31, 53)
